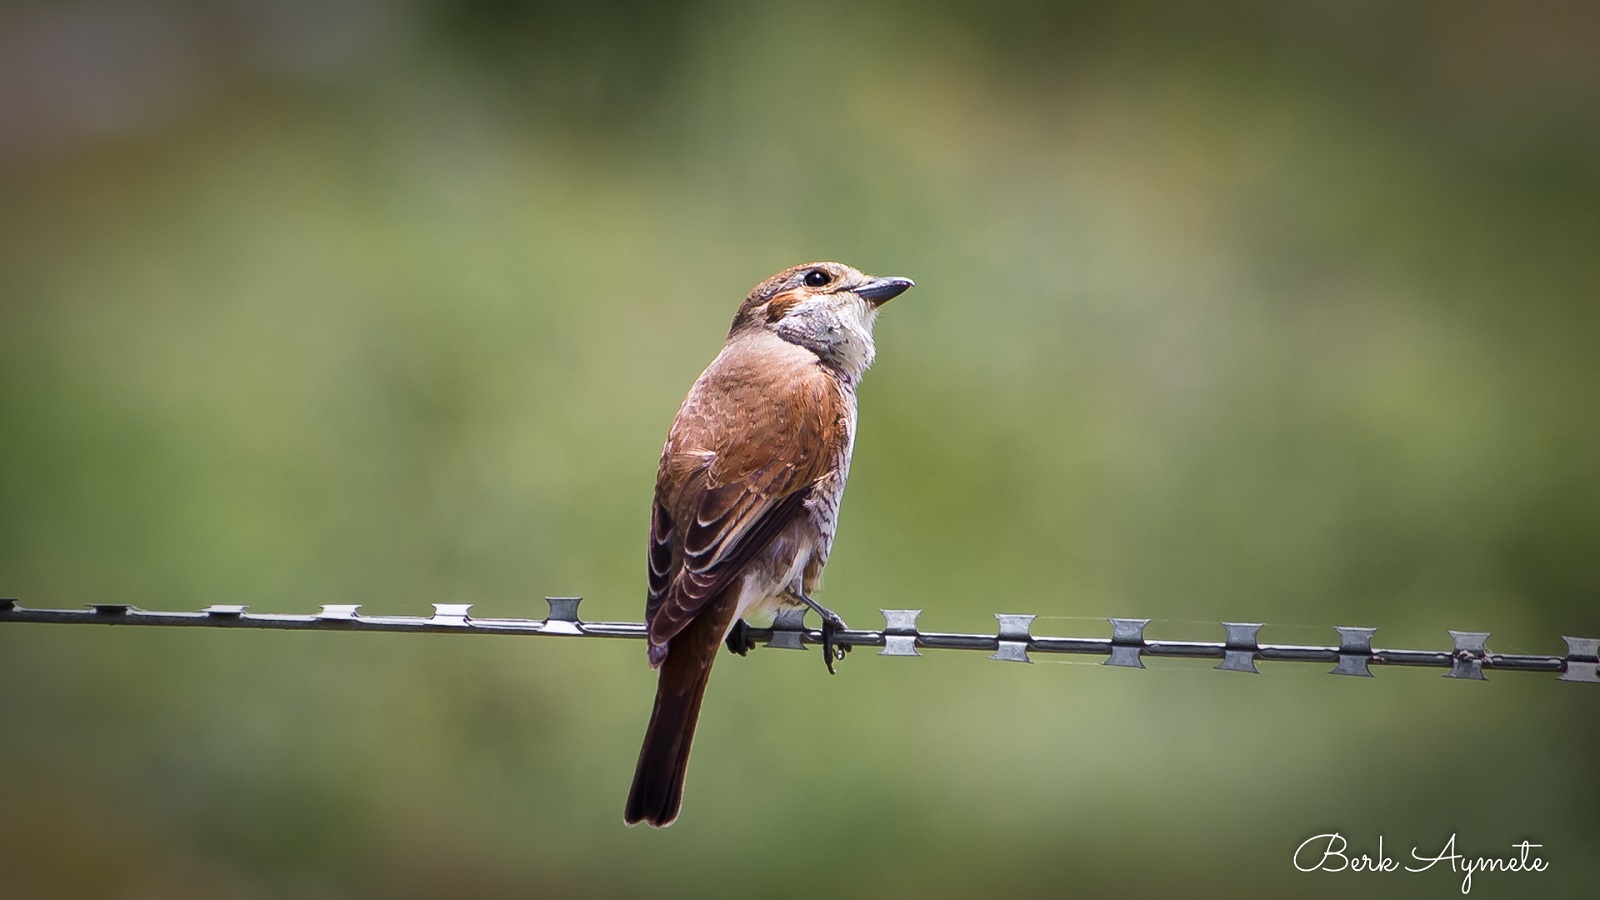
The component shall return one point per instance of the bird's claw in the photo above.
(739, 640)
(831, 626)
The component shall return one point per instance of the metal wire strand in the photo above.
(1013, 640)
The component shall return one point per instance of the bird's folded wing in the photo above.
(735, 473)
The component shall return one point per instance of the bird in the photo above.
(747, 497)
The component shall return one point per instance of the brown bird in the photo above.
(747, 496)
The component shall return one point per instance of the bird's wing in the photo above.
(739, 464)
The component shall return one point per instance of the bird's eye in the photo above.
(817, 278)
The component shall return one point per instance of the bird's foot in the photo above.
(831, 626)
(739, 640)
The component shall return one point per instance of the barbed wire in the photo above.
(1013, 640)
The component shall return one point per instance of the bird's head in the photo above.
(825, 307)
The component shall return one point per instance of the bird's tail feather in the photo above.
(657, 792)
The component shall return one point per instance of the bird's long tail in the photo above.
(657, 791)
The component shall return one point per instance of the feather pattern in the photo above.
(756, 435)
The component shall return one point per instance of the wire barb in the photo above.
(1013, 637)
(1583, 660)
(1240, 649)
(1466, 660)
(1127, 643)
(1013, 640)
(1355, 651)
(900, 632)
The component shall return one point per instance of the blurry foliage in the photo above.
(595, 66)
(1239, 310)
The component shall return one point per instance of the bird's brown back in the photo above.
(761, 426)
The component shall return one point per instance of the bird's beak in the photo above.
(879, 291)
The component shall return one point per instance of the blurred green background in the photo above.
(1250, 310)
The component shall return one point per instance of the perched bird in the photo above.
(747, 496)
